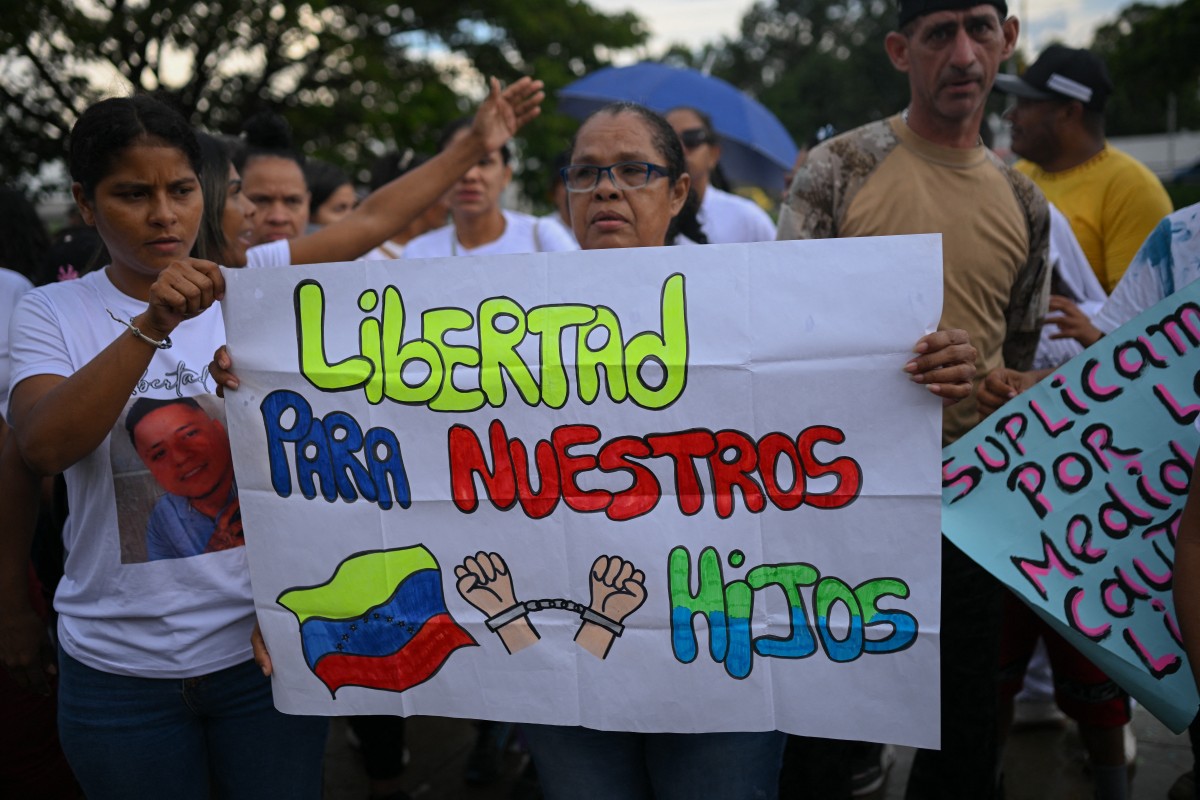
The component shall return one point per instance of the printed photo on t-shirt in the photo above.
(173, 476)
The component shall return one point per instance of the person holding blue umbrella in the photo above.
(725, 218)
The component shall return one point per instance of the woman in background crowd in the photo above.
(331, 194)
(480, 226)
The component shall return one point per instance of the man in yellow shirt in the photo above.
(1111, 200)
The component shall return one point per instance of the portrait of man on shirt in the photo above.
(187, 452)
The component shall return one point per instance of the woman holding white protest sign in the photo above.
(627, 182)
(479, 224)
(158, 692)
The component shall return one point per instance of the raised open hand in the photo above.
(505, 111)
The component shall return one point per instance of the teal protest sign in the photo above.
(1071, 495)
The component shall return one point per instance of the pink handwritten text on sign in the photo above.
(1071, 495)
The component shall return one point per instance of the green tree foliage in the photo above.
(814, 62)
(1152, 53)
(350, 76)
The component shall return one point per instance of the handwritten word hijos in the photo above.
(649, 368)
(1139, 493)
(728, 606)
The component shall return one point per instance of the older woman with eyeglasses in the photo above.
(725, 218)
(627, 181)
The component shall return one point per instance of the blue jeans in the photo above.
(215, 735)
(577, 763)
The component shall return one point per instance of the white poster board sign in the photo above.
(662, 489)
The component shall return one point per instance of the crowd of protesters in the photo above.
(126, 616)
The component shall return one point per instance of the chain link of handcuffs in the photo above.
(519, 610)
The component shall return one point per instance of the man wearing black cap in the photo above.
(1112, 201)
(925, 170)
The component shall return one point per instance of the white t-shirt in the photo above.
(1167, 261)
(119, 611)
(522, 234)
(556, 221)
(388, 251)
(270, 254)
(729, 219)
(12, 286)
(1072, 266)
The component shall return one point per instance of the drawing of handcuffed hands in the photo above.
(617, 590)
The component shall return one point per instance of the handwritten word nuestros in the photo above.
(649, 368)
(728, 606)
(733, 462)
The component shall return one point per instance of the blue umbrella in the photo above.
(755, 147)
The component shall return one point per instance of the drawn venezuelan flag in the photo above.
(380, 621)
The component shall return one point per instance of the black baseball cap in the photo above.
(911, 9)
(1062, 73)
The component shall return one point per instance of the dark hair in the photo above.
(665, 141)
(214, 181)
(561, 161)
(462, 123)
(705, 121)
(323, 179)
(392, 165)
(266, 134)
(23, 238)
(145, 406)
(716, 176)
(110, 126)
(75, 252)
(687, 221)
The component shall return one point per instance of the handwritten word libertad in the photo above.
(648, 369)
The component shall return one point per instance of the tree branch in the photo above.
(51, 80)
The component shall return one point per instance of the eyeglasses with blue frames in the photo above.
(623, 174)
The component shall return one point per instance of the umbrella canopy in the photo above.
(755, 147)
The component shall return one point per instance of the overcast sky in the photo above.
(694, 22)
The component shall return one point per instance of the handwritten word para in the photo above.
(727, 608)
(649, 368)
(732, 460)
(332, 451)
